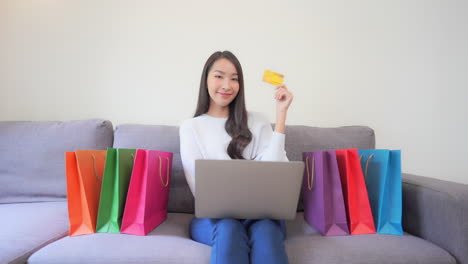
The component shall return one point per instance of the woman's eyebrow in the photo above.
(224, 72)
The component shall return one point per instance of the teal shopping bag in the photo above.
(117, 172)
(382, 173)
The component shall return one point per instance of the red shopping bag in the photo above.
(148, 192)
(357, 204)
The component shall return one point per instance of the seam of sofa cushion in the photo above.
(56, 199)
(26, 255)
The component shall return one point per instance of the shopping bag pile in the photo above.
(352, 192)
(117, 190)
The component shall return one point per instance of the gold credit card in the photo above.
(272, 77)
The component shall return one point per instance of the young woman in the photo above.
(223, 129)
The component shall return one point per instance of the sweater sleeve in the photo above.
(271, 144)
(189, 152)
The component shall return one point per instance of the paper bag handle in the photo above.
(95, 169)
(310, 180)
(160, 172)
(367, 164)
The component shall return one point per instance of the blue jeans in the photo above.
(241, 241)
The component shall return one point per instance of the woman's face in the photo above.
(222, 82)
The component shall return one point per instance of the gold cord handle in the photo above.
(133, 157)
(160, 172)
(367, 165)
(310, 180)
(95, 169)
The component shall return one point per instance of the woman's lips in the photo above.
(225, 95)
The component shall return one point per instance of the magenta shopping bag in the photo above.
(323, 201)
(148, 192)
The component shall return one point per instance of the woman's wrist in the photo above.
(280, 125)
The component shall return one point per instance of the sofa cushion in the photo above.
(26, 227)
(305, 245)
(298, 139)
(168, 243)
(33, 156)
(303, 139)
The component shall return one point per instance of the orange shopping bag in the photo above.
(84, 169)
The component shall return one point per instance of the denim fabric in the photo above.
(241, 241)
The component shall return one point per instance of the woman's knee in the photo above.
(267, 228)
(201, 230)
(229, 225)
(230, 233)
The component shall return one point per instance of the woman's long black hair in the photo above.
(236, 125)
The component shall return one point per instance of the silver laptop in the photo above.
(247, 189)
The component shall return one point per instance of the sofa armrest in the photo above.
(437, 211)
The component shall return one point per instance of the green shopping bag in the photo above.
(117, 172)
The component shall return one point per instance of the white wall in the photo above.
(397, 66)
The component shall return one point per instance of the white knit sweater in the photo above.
(205, 137)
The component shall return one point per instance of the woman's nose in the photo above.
(226, 84)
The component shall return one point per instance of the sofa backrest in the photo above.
(298, 140)
(32, 156)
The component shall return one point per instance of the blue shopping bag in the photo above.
(382, 173)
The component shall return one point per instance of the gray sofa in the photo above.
(33, 209)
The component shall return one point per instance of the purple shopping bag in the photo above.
(323, 196)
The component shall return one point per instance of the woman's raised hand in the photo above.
(284, 98)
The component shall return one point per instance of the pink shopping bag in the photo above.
(148, 192)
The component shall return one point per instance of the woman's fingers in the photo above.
(282, 94)
(281, 86)
(280, 89)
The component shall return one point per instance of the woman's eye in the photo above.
(218, 76)
(235, 79)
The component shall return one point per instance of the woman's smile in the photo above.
(225, 95)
